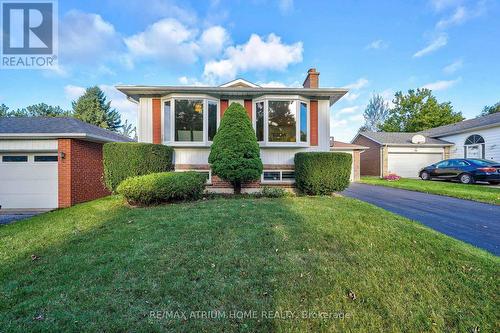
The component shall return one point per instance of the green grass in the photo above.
(481, 193)
(104, 267)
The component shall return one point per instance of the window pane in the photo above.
(303, 122)
(166, 121)
(272, 175)
(212, 120)
(52, 158)
(259, 121)
(189, 120)
(282, 121)
(17, 158)
(288, 175)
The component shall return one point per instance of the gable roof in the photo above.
(401, 139)
(466, 125)
(339, 145)
(239, 83)
(54, 128)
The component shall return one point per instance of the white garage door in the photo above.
(28, 180)
(409, 164)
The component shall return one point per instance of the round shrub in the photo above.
(161, 187)
(128, 159)
(321, 173)
(235, 153)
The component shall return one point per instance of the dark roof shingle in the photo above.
(64, 126)
(399, 138)
(465, 125)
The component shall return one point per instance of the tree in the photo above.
(375, 114)
(235, 153)
(93, 108)
(128, 130)
(4, 110)
(417, 111)
(490, 109)
(41, 110)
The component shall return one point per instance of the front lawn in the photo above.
(249, 265)
(481, 193)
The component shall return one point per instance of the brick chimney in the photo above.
(312, 79)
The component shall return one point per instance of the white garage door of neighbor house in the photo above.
(28, 180)
(409, 164)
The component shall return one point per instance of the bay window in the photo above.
(281, 121)
(190, 120)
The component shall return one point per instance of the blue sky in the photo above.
(450, 46)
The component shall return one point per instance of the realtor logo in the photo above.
(29, 34)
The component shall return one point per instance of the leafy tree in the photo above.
(375, 114)
(4, 110)
(128, 130)
(235, 153)
(93, 108)
(41, 110)
(417, 111)
(490, 109)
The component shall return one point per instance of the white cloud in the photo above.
(357, 118)
(338, 123)
(285, 6)
(440, 5)
(279, 84)
(453, 67)
(167, 39)
(388, 96)
(434, 45)
(350, 96)
(348, 110)
(86, 38)
(441, 85)
(378, 44)
(213, 40)
(257, 54)
(360, 83)
(458, 17)
(73, 92)
(184, 80)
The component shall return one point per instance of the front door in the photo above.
(473, 151)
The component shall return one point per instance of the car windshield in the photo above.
(483, 162)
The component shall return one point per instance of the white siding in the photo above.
(145, 120)
(491, 138)
(28, 145)
(323, 125)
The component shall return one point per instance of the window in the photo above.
(14, 158)
(303, 122)
(443, 164)
(474, 139)
(278, 176)
(212, 120)
(189, 120)
(259, 120)
(282, 123)
(167, 114)
(42, 158)
(474, 147)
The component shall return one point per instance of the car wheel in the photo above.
(465, 178)
(425, 175)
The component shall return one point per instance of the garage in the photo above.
(29, 180)
(408, 165)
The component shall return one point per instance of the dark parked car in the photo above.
(466, 170)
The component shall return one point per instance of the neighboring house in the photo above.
(354, 150)
(286, 121)
(406, 153)
(48, 163)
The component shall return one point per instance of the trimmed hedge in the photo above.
(320, 173)
(128, 159)
(161, 187)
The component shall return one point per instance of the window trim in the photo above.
(298, 120)
(172, 98)
(280, 181)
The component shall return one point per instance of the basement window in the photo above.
(14, 158)
(278, 176)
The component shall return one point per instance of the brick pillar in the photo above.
(224, 103)
(156, 120)
(356, 157)
(64, 172)
(314, 122)
(447, 152)
(248, 107)
(385, 161)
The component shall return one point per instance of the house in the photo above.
(406, 153)
(354, 150)
(286, 121)
(48, 163)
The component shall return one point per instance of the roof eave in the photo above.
(464, 130)
(52, 136)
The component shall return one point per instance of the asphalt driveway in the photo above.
(7, 217)
(472, 222)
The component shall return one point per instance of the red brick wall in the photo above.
(314, 122)
(80, 172)
(156, 120)
(370, 158)
(224, 103)
(248, 107)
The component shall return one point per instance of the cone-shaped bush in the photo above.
(235, 153)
